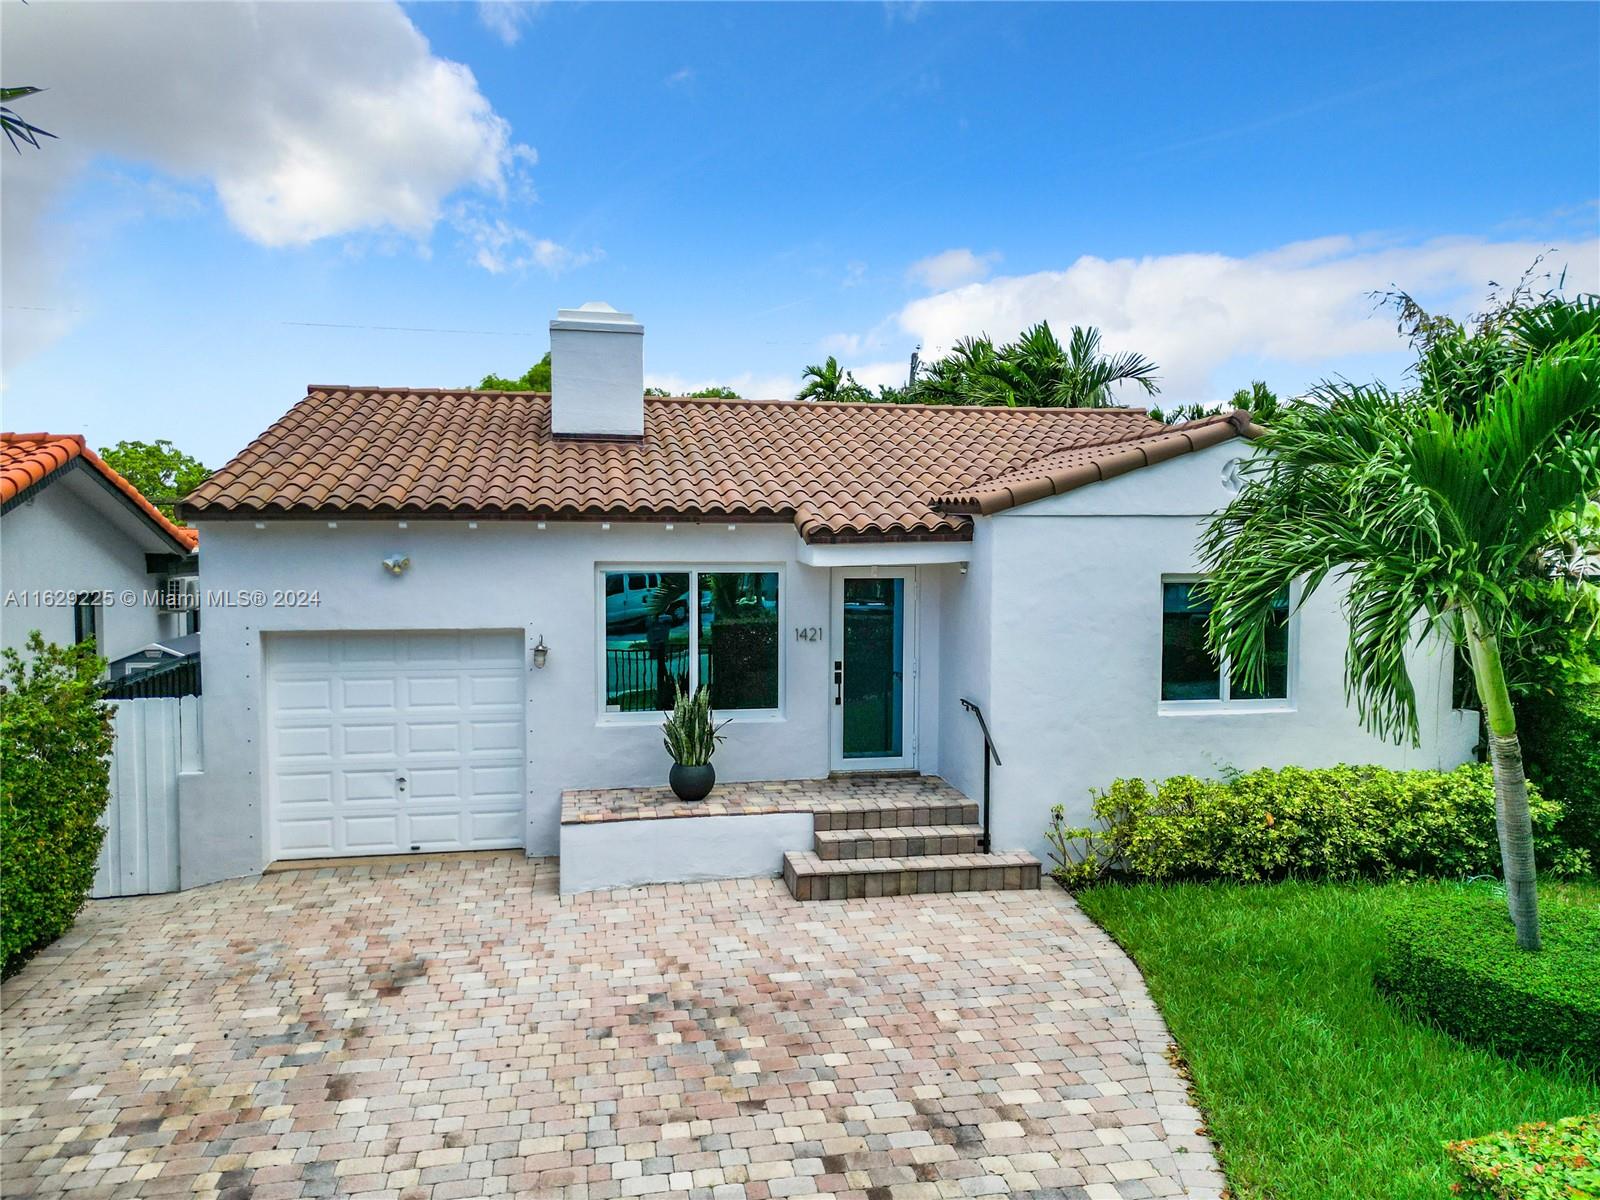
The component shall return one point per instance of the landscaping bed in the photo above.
(1313, 1084)
(1449, 959)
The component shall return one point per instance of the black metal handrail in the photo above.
(988, 752)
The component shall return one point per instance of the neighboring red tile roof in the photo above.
(838, 471)
(27, 459)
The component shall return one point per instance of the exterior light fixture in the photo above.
(541, 653)
(396, 564)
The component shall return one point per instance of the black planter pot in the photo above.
(692, 783)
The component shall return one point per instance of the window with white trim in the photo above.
(1190, 675)
(666, 629)
(87, 615)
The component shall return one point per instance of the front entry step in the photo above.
(811, 877)
(908, 841)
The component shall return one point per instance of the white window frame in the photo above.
(653, 718)
(1225, 703)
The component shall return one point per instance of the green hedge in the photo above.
(1449, 957)
(1559, 1160)
(55, 779)
(1560, 733)
(1327, 823)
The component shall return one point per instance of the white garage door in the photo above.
(385, 743)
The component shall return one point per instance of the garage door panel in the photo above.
(304, 837)
(370, 833)
(298, 790)
(433, 737)
(369, 787)
(496, 781)
(494, 736)
(368, 649)
(499, 827)
(306, 697)
(438, 831)
(436, 784)
(367, 695)
(494, 691)
(350, 714)
(369, 741)
(313, 743)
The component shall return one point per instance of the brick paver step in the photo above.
(898, 841)
(810, 877)
(919, 811)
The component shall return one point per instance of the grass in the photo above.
(1313, 1086)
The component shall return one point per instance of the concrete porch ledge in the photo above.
(624, 837)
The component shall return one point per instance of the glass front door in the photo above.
(873, 670)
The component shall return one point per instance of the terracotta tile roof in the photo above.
(838, 471)
(27, 459)
(1063, 470)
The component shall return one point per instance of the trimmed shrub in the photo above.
(1450, 958)
(1558, 1160)
(1560, 734)
(55, 781)
(1340, 823)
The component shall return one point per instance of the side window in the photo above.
(613, 585)
(86, 619)
(1189, 673)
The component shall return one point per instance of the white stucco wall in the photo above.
(72, 537)
(501, 575)
(618, 854)
(1075, 657)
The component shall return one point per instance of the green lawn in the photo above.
(1313, 1086)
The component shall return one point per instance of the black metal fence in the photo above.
(179, 678)
(640, 680)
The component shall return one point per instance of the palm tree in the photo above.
(830, 382)
(1035, 371)
(16, 127)
(1427, 503)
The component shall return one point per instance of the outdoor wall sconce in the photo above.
(541, 652)
(396, 564)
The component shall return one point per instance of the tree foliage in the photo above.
(1430, 501)
(162, 473)
(1259, 400)
(57, 777)
(535, 379)
(828, 381)
(16, 127)
(1035, 371)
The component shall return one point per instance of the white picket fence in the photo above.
(156, 739)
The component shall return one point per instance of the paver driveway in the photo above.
(454, 1028)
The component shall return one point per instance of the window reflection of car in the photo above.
(630, 598)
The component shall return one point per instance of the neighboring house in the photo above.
(448, 633)
(82, 553)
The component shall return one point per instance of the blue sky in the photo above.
(1216, 186)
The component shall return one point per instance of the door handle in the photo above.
(838, 681)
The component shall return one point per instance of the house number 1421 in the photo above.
(808, 633)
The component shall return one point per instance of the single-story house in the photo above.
(433, 613)
(83, 554)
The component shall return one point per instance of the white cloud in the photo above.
(951, 268)
(682, 77)
(1305, 303)
(505, 18)
(306, 121)
(499, 246)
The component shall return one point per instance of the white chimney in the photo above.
(596, 373)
